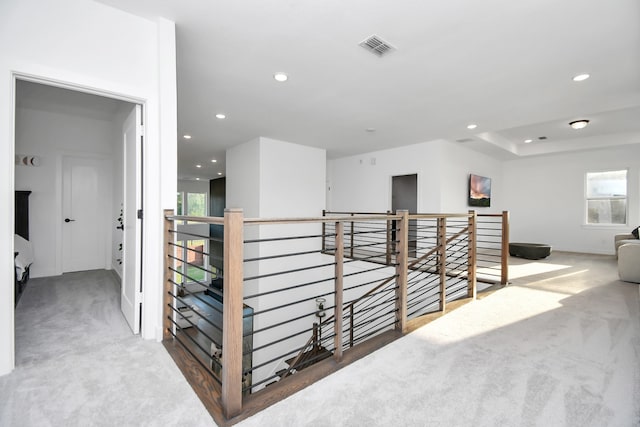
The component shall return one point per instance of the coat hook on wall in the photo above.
(24, 160)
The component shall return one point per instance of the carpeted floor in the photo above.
(558, 347)
(78, 364)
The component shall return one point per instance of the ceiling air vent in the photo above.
(376, 45)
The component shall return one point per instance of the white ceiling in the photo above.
(505, 65)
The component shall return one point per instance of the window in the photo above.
(606, 197)
(180, 210)
(192, 204)
(190, 259)
(196, 204)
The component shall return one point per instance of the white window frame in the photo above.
(587, 199)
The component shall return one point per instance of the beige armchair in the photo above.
(623, 239)
(629, 262)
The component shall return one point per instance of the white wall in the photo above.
(362, 183)
(276, 179)
(243, 178)
(85, 44)
(545, 196)
(52, 135)
(190, 186)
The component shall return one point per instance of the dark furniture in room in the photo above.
(21, 224)
(529, 250)
(217, 195)
(21, 228)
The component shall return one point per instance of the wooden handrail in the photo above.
(409, 266)
(428, 254)
(314, 337)
(262, 221)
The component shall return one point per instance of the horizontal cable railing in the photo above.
(291, 292)
(294, 292)
(493, 248)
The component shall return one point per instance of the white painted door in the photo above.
(84, 213)
(131, 298)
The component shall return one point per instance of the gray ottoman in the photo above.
(529, 250)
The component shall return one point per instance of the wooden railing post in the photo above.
(389, 245)
(351, 325)
(167, 299)
(504, 268)
(339, 272)
(324, 232)
(442, 261)
(471, 256)
(351, 240)
(232, 313)
(402, 271)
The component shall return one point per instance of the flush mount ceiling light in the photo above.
(220, 116)
(472, 126)
(187, 136)
(579, 124)
(281, 77)
(527, 141)
(581, 77)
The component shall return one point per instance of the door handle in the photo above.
(120, 227)
(68, 220)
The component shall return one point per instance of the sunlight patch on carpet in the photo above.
(533, 268)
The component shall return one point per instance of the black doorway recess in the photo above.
(217, 192)
(404, 195)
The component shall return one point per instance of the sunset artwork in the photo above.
(479, 191)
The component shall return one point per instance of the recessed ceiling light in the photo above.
(213, 160)
(281, 77)
(198, 166)
(526, 141)
(219, 173)
(187, 136)
(370, 129)
(220, 116)
(197, 179)
(579, 124)
(472, 126)
(581, 77)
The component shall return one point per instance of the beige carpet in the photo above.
(78, 364)
(558, 347)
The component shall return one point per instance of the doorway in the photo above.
(78, 186)
(404, 196)
(84, 227)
